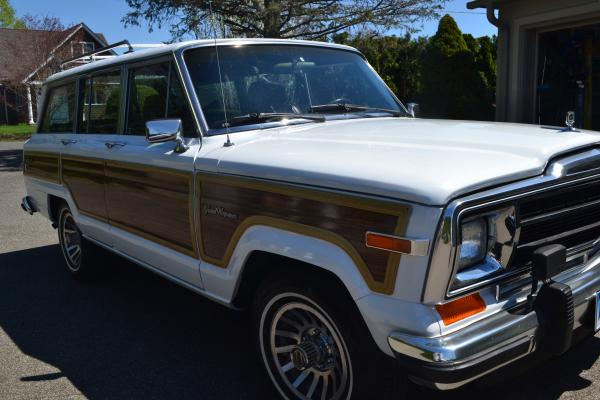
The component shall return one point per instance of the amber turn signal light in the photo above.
(387, 242)
(462, 308)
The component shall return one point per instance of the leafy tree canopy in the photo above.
(308, 19)
(8, 18)
(458, 75)
(448, 39)
(397, 59)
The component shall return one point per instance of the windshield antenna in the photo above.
(228, 142)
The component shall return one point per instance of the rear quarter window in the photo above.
(58, 115)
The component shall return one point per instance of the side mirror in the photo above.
(166, 130)
(413, 109)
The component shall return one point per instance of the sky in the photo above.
(105, 16)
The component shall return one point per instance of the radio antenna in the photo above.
(228, 142)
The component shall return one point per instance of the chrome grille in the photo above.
(570, 216)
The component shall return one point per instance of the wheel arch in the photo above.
(263, 250)
(262, 265)
(54, 203)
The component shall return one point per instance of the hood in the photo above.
(424, 161)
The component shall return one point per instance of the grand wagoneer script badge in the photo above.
(219, 211)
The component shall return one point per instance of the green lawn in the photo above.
(16, 132)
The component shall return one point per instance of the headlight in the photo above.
(486, 245)
(474, 243)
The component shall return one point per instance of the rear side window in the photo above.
(155, 93)
(101, 103)
(58, 115)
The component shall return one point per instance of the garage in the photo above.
(548, 60)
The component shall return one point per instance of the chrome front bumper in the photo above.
(450, 361)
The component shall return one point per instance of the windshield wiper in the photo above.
(345, 107)
(260, 117)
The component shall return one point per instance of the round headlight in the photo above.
(473, 244)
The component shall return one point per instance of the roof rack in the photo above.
(122, 43)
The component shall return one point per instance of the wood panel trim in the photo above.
(386, 287)
(193, 251)
(42, 165)
(400, 210)
(361, 202)
(89, 160)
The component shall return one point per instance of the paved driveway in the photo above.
(134, 335)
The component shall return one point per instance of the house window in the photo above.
(78, 48)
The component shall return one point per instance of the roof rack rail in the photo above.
(98, 51)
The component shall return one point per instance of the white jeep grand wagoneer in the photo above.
(285, 177)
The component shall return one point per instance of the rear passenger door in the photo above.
(149, 187)
(83, 169)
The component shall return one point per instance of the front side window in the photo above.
(283, 79)
(58, 115)
(147, 96)
(155, 93)
(101, 103)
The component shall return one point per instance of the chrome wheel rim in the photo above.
(307, 352)
(71, 241)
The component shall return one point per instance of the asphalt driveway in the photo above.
(134, 335)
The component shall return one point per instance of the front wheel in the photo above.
(315, 346)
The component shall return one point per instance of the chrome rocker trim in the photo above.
(450, 361)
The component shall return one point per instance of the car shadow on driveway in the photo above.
(11, 160)
(135, 335)
(131, 335)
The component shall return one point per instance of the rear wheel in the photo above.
(81, 256)
(315, 346)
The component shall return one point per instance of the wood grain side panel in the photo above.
(226, 205)
(151, 202)
(84, 177)
(45, 166)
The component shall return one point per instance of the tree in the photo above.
(396, 59)
(458, 75)
(308, 19)
(41, 45)
(41, 59)
(47, 23)
(8, 18)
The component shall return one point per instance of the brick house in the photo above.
(28, 57)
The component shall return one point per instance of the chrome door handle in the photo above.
(67, 141)
(110, 145)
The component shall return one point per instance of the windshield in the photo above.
(284, 79)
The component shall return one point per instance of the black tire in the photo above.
(371, 374)
(82, 258)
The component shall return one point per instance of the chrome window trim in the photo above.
(188, 88)
(443, 263)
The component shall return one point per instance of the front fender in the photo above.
(223, 282)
